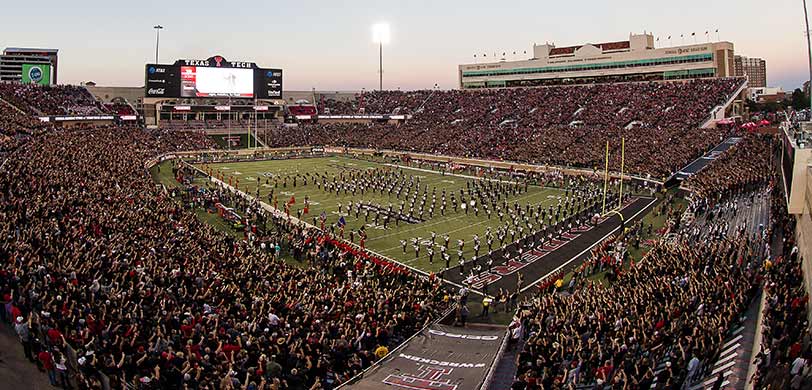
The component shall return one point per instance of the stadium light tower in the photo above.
(158, 29)
(809, 51)
(380, 35)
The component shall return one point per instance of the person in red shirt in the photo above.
(54, 336)
(48, 364)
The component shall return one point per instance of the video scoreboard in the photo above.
(213, 77)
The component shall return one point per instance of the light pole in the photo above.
(158, 29)
(809, 51)
(380, 35)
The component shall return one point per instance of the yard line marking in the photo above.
(436, 223)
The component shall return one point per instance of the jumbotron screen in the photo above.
(216, 82)
(214, 77)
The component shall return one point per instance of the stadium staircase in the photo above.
(506, 369)
(15, 107)
(420, 108)
(723, 107)
(734, 360)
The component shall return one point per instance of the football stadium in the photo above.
(595, 216)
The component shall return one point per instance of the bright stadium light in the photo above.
(380, 35)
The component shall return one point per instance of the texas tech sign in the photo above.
(216, 62)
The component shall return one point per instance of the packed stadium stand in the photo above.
(51, 100)
(120, 276)
(119, 108)
(663, 322)
(100, 263)
(565, 126)
(302, 109)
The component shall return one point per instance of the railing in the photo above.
(712, 116)
(494, 365)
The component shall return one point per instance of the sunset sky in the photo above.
(327, 45)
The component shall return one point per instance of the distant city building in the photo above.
(634, 60)
(14, 59)
(755, 69)
(766, 95)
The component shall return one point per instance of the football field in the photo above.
(278, 176)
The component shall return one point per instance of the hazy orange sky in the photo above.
(327, 44)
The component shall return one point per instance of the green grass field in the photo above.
(458, 225)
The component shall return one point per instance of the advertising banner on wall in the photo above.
(36, 74)
(439, 358)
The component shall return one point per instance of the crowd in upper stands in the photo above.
(658, 105)
(119, 108)
(51, 100)
(556, 125)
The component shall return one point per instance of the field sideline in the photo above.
(387, 241)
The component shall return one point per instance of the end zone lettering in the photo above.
(463, 336)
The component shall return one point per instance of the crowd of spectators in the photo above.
(659, 105)
(98, 260)
(555, 125)
(655, 152)
(674, 306)
(671, 309)
(302, 109)
(782, 361)
(39, 100)
(16, 127)
(743, 167)
(119, 108)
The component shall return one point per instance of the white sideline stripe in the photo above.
(735, 339)
(709, 383)
(722, 360)
(733, 348)
(589, 248)
(722, 368)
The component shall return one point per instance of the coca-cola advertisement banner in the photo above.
(162, 81)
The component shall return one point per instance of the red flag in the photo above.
(292, 200)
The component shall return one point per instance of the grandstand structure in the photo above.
(632, 60)
(14, 59)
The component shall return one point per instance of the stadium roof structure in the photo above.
(11, 50)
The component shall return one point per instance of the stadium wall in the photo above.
(804, 233)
